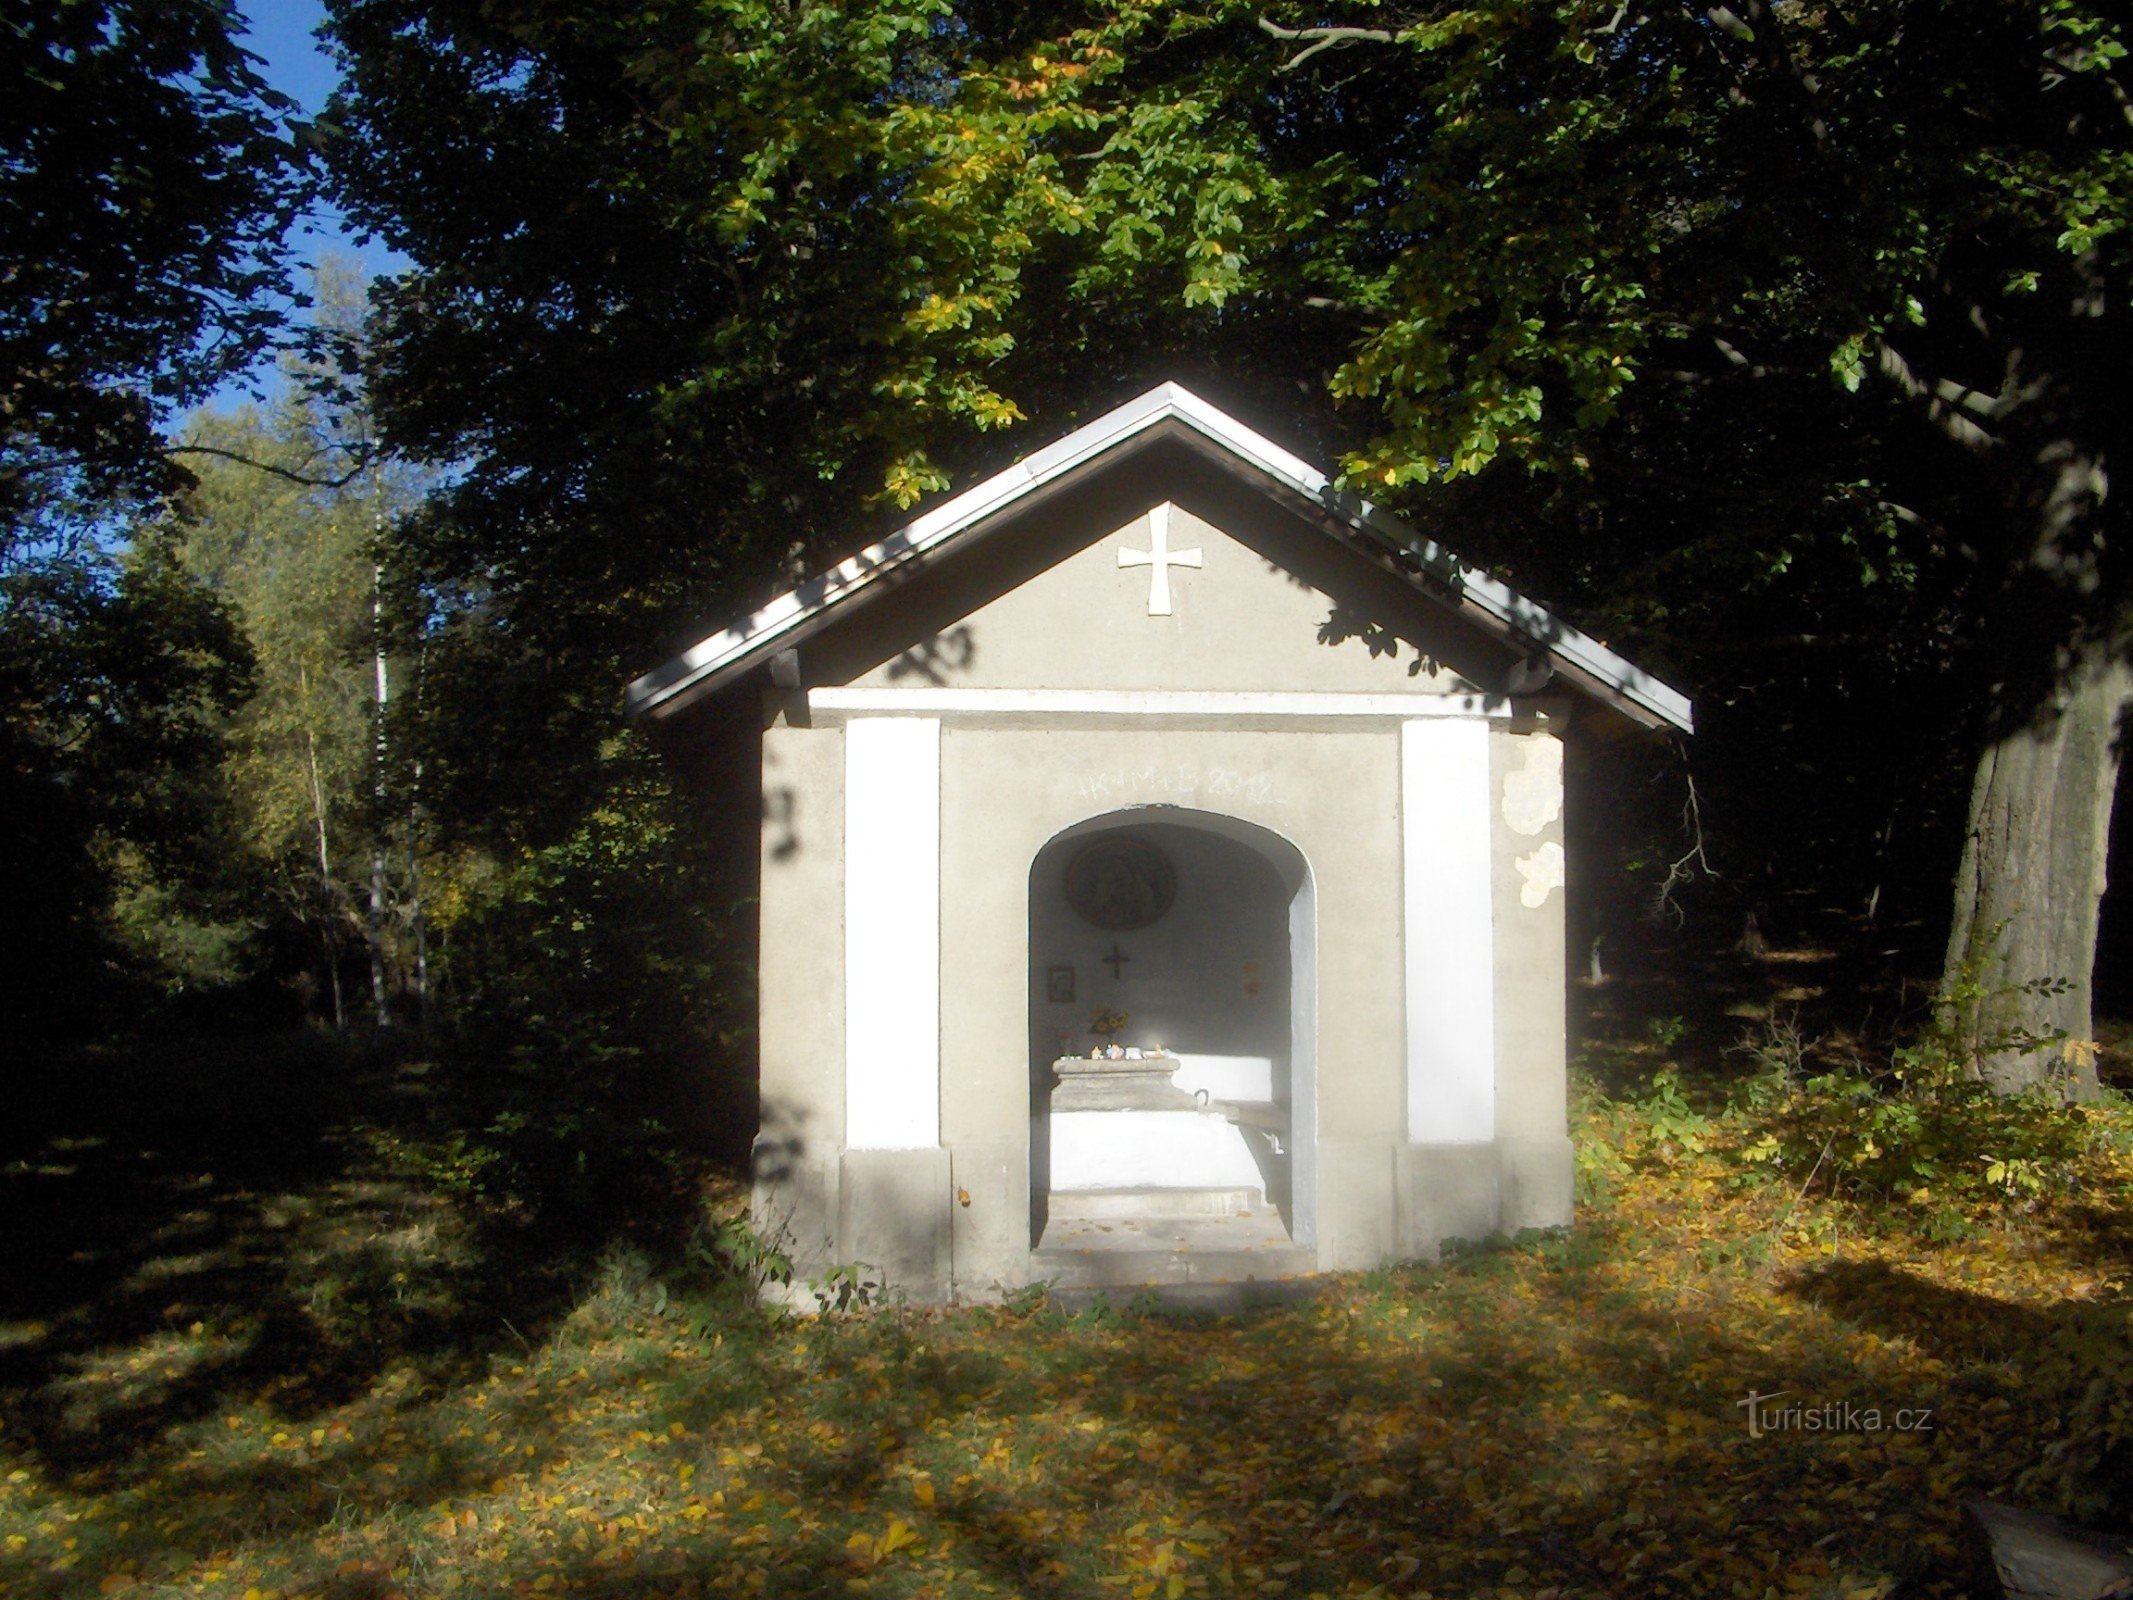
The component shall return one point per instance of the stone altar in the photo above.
(1124, 1124)
(1097, 1083)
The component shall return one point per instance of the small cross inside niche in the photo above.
(1116, 961)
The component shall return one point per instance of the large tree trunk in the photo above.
(2022, 948)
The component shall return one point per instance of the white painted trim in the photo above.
(1450, 955)
(892, 933)
(1303, 1060)
(731, 650)
(1227, 704)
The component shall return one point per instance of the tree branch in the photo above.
(1737, 365)
(1941, 409)
(363, 460)
(1322, 39)
(1682, 872)
(1759, 31)
(1723, 19)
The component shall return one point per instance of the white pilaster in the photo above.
(892, 933)
(1451, 1024)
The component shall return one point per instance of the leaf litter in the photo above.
(1565, 1415)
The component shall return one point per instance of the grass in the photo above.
(260, 1368)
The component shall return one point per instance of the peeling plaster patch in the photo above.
(1543, 872)
(1533, 795)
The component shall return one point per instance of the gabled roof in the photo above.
(1171, 410)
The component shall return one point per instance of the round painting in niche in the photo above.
(1120, 884)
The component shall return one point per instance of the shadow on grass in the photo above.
(198, 1227)
(234, 1335)
(1560, 1414)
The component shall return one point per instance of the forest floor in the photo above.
(242, 1356)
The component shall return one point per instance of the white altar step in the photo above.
(1142, 1202)
(1087, 1252)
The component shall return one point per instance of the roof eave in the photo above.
(795, 616)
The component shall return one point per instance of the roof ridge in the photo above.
(719, 657)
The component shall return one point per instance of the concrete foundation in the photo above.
(794, 1207)
(1355, 1195)
(893, 1214)
(988, 1217)
(1539, 1183)
(1445, 1191)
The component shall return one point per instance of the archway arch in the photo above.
(1201, 928)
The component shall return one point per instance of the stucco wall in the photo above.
(1532, 1085)
(1043, 603)
(800, 982)
(1275, 606)
(1005, 792)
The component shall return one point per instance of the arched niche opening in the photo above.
(1200, 929)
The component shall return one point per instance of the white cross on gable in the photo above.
(1160, 558)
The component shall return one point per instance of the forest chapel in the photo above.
(1161, 876)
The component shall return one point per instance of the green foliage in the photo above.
(595, 949)
(148, 179)
(1746, 332)
(721, 291)
(1666, 1032)
(1027, 1300)
(116, 676)
(1671, 1126)
(1652, 1126)
(1919, 1134)
(847, 1287)
(187, 948)
(202, 702)
(293, 551)
(1923, 1132)
(456, 1162)
(588, 985)
(739, 1251)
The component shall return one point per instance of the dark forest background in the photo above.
(1781, 347)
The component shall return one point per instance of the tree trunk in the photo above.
(414, 864)
(380, 993)
(415, 914)
(2022, 948)
(327, 886)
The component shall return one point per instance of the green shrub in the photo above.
(1652, 1128)
(1922, 1131)
(738, 1252)
(593, 983)
(1671, 1125)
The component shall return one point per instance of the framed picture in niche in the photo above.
(1059, 986)
(1119, 884)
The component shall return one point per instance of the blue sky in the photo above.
(283, 34)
